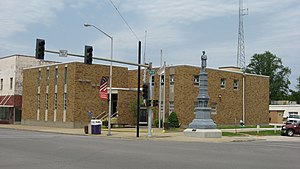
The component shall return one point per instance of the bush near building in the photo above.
(173, 120)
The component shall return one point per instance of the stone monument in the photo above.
(203, 126)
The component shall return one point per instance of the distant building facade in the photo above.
(62, 95)
(11, 78)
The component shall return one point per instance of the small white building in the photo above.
(281, 110)
(11, 77)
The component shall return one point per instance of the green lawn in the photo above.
(238, 127)
(263, 133)
(230, 134)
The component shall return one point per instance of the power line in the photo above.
(124, 19)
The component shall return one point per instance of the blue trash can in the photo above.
(96, 126)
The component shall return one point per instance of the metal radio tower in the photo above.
(241, 46)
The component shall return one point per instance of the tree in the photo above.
(295, 94)
(298, 84)
(270, 65)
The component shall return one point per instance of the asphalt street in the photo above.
(39, 150)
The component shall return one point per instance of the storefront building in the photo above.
(11, 82)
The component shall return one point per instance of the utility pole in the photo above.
(138, 93)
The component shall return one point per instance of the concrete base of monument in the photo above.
(203, 133)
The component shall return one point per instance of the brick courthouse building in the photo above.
(60, 95)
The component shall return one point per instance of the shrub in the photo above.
(156, 123)
(173, 120)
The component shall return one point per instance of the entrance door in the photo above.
(6, 115)
(143, 115)
(114, 105)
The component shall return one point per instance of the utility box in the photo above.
(96, 126)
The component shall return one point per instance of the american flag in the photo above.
(103, 83)
(103, 87)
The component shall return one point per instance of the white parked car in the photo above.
(293, 118)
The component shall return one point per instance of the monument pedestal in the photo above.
(203, 133)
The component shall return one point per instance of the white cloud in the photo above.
(16, 15)
(172, 12)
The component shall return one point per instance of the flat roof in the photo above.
(27, 56)
(218, 69)
(65, 63)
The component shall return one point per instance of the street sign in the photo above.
(152, 72)
(63, 53)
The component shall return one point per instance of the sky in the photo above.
(182, 29)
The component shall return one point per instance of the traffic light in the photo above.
(149, 103)
(145, 91)
(40, 49)
(155, 103)
(88, 54)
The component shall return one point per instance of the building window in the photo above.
(171, 106)
(55, 101)
(66, 74)
(47, 76)
(46, 101)
(39, 78)
(293, 113)
(39, 101)
(162, 80)
(235, 84)
(56, 76)
(196, 80)
(1, 84)
(65, 101)
(11, 83)
(223, 83)
(213, 107)
(172, 79)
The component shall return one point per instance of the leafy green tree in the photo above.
(295, 94)
(298, 84)
(270, 65)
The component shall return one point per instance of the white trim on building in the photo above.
(288, 109)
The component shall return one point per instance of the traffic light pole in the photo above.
(138, 93)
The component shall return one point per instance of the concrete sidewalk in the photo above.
(158, 134)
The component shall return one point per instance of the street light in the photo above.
(110, 73)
